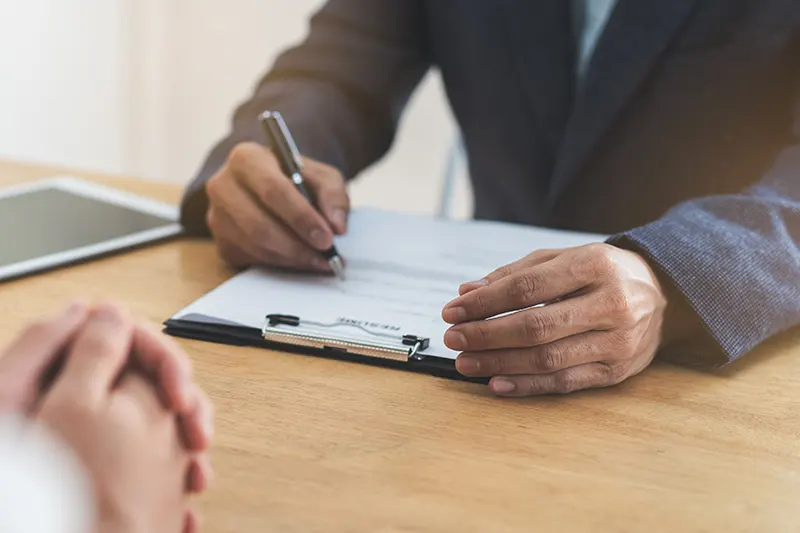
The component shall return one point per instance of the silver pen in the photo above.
(285, 149)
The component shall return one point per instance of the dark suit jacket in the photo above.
(681, 138)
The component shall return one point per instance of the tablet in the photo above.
(64, 220)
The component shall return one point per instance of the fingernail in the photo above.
(468, 365)
(480, 283)
(455, 340)
(454, 315)
(503, 386)
(339, 218)
(319, 239)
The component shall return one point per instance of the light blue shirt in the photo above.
(591, 17)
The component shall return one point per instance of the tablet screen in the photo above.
(43, 222)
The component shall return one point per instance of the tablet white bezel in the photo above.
(96, 192)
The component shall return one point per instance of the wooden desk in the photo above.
(307, 445)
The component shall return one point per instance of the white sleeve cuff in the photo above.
(43, 486)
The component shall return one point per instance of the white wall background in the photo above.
(64, 82)
(145, 87)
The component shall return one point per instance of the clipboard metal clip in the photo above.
(288, 329)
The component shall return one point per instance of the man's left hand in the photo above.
(558, 321)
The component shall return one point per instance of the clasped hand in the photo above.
(124, 401)
(558, 321)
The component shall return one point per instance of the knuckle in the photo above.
(622, 343)
(524, 287)
(619, 307)
(533, 386)
(240, 154)
(596, 262)
(500, 273)
(603, 258)
(617, 302)
(613, 374)
(480, 335)
(497, 365)
(566, 382)
(483, 303)
(538, 327)
(334, 176)
(549, 358)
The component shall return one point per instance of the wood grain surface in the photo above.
(312, 445)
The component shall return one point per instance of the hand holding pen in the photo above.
(258, 216)
(285, 149)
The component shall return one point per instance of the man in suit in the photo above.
(670, 124)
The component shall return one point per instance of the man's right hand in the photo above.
(258, 217)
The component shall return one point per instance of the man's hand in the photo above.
(580, 318)
(258, 217)
(36, 351)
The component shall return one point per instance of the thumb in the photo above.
(330, 191)
(97, 357)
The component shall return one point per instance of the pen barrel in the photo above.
(300, 184)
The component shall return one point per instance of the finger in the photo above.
(97, 356)
(239, 253)
(530, 327)
(331, 193)
(199, 474)
(588, 376)
(536, 258)
(138, 388)
(191, 522)
(545, 359)
(259, 235)
(162, 358)
(520, 290)
(256, 168)
(197, 423)
(27, 359)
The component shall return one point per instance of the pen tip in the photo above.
(338, 267)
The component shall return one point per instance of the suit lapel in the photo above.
(543, 48)
(636, 35)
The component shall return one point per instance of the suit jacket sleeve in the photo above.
(732, 262)
(342, 90)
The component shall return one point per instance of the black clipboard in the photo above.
(289, 333)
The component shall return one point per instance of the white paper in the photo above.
(401, 271)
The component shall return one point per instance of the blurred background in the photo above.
(144, 88)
